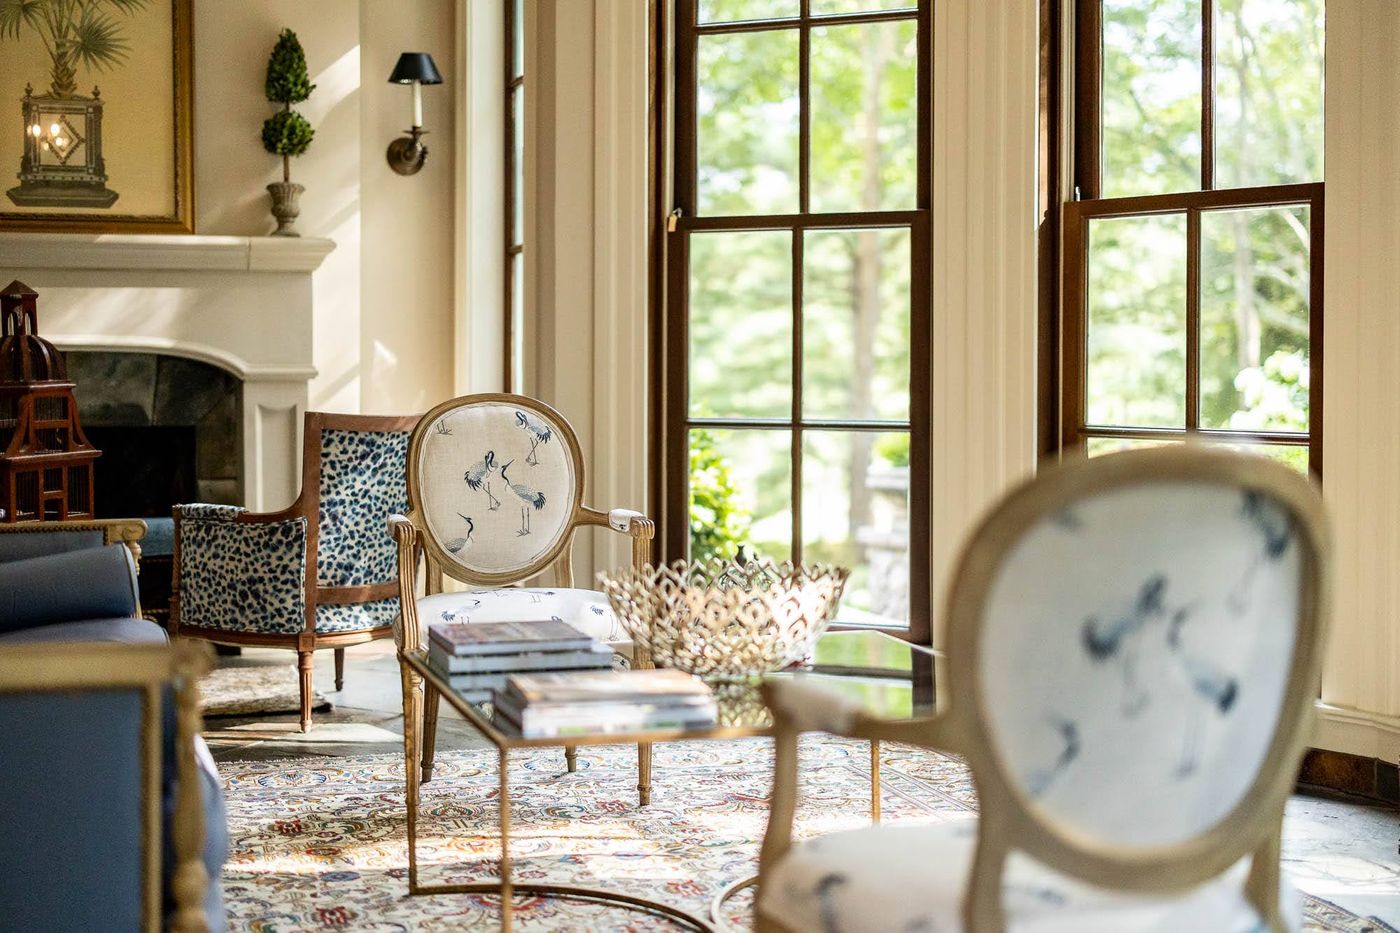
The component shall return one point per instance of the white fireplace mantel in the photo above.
(244, 304)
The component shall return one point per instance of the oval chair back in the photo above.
(495, 482)
(1134, 647)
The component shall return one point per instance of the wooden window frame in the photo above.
(514, 239)
(675, 416)
(1087, 205)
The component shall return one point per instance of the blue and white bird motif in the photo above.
(531, 498)
(456, 545)
(478, 477)
(539, 434)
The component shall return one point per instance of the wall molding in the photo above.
(127, 252)
(189, 349)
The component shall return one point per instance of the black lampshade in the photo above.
(415, 66)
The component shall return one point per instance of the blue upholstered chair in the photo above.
(82, 677)
(320, 574)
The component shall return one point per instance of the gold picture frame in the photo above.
(118, 158)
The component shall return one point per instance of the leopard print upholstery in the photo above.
(356, 617)
(241, 576)
(363, 482)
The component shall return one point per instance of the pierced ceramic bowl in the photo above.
(724, 620)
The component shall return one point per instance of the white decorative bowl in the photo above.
(724, 620)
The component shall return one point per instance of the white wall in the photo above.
(1361, 421)
(384, 297)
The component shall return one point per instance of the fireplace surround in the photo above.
(241, 307)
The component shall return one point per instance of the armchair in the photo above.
(1133, 642)
(318, 574)
(495, 490)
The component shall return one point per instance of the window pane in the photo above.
(855, 324)
(1268, 92)
(726, 11)
(517, 165)
(1289, 455)
(1151, 96)
(1254, 319)
(517, 318)
(1098, 446)
(855, 513)
(825, 7)
(741, 324)
(864, 116)
(517, 43)
(747, 112)
(740, 493)
(1137, 321)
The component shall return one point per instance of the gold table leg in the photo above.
(875, 781)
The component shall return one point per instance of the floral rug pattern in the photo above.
(322, 844)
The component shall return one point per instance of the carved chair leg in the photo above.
(644, 773)
(304, 670)
(432, 700)
(571, 758)
(339, 669)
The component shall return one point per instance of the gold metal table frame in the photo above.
(416, 671)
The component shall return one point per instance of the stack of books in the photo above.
(477, 658)
(541, 706)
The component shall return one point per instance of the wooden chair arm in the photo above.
(626, 522)
(407, 635)
(128, 531)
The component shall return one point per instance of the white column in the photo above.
(1361, 417)
(985, 107)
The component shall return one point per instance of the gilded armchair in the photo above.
(318, 574)
(495, 489)
(1133, 644)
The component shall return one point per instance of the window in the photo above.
(798, 335)
(1193, 254)
(514, 304)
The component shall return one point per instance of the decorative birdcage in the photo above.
(45, 461)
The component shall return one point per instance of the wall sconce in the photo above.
(407, 153)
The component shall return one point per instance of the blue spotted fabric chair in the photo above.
(322, 573)
(495, 484)
(1133, 644)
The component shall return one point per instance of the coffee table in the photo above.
(890, 678)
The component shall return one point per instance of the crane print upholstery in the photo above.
(499, 486)
(1159, 658)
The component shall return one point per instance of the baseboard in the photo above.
(1358, 775)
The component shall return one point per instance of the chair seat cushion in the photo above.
(586, 610)
(914, 878)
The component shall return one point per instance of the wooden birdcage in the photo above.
(45, 461)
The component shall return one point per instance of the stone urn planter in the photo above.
(286, 206)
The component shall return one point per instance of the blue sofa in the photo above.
(70, 761)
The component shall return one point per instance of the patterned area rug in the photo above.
(322, 844)
(255, 689)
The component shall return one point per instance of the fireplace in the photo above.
(168, 429)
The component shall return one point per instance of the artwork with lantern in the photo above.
(103, 90)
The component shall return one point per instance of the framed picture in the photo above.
(95, 116)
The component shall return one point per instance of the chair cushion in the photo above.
(586, 610)
(914, 878)
(122, 630)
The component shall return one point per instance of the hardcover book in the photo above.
(483, 638)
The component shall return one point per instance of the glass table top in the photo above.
(889, 678)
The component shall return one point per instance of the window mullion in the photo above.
(1193, 320)
(1207, 95)
(797, 379)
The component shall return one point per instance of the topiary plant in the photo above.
(287, 133)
